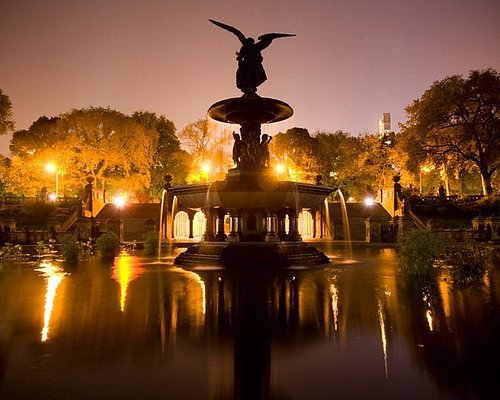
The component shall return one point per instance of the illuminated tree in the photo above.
(209, 146)
(458, 118)
(168, 157)
(6, 122)
(113, 148)
(298, 150)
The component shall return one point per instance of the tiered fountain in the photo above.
(263, 211)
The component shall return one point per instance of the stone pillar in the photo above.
(208, 236)
(281, 226)
(315, 224)
(294, 234)
(234, 227)
(271, 222)
(191, 220)
(373, 230)
(221, 235)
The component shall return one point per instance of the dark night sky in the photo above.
(351, 61)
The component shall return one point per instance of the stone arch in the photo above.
(181, 225)
(199, 224)
(306, 224)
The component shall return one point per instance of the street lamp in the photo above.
(53, 168)
(119, 201)
(280, 168)
(206, 168)
(425, 169)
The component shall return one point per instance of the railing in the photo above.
(70, 221)
(418, 222)
(17, 200)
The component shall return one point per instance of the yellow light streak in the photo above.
(54, 276)
(124, 272)
(334, 292)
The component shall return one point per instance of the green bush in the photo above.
(468, 264)
(70, 248)
(108, 245)
(417, 252)
(151, 245)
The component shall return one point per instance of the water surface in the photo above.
(142, 329)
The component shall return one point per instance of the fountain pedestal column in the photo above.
(208, 236)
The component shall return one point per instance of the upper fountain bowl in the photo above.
(240, 110)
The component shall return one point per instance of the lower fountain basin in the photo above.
(252, 255)
(267, 195)
(260, 203)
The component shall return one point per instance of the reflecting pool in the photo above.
(145, 329)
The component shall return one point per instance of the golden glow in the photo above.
(199, 281)
(445, 297)
(383, 337)
(428, 317)
(369, 201)
(120, 200)
(206, 167)
(50, 167)
(52, 197)
(427, 168)
(428, 313)
(54, 276)
(280, 169)
(124, 272)
(335, 305)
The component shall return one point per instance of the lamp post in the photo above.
(53, 168)
(119, 202)
(425, 169)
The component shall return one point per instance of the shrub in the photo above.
(468, 264)
(108, 245)
(70, 248)
(151, 245)
(417, 252)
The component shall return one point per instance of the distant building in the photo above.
(384, 125)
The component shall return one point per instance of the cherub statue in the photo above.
(236, 148)
(250, 73)
(264, 150)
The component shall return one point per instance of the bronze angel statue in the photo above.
(250, 73)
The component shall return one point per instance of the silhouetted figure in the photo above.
(264, 150)
(237, 148)
(43, 194)
(250, 73)
(442, 193)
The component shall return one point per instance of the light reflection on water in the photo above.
(54, 275)
(340, 331)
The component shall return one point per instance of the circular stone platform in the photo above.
(256, 109)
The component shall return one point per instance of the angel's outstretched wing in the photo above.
(266, 39)
(231, 29)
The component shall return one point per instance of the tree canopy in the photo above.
(168, 157)
(113, 148)
(6, 121)
(457, 119)
(208, 143)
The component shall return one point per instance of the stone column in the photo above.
(281, 226)
(208, 236)
(271, 220)
(294, 226)
(234, 226)
(221, 235)
(191, 220)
